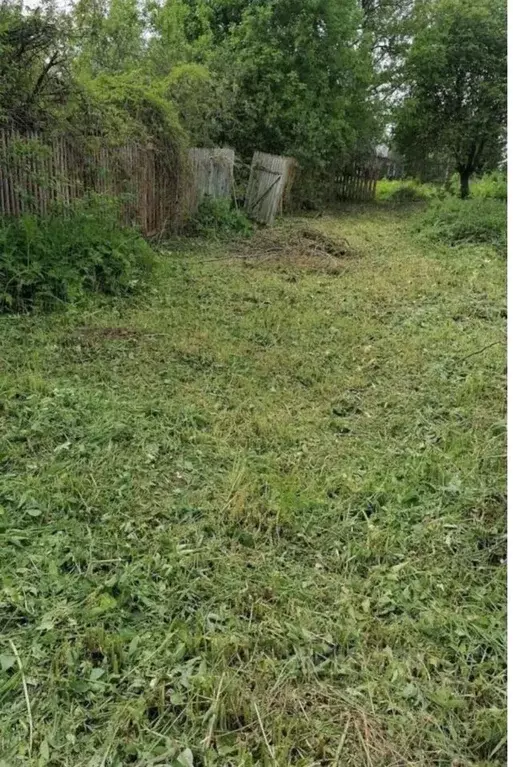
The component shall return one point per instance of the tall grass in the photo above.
(481, 219)
(55, 259)
(492, 185)
(404, 191)
(478, 220)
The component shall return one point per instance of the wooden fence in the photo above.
(270, 179)
(357, 182)
(211, 174)
(37, 172)
(158, 191)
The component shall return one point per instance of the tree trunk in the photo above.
(464, 183)
(448, 178)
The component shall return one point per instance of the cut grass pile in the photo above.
(258, 517)
(299, 247)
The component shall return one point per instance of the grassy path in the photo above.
(257, 517)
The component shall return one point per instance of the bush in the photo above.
(57, 258)
(403, 192)
(475, 220)
(219, 218)
(492, 185)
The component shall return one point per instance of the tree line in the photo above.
(316, 79)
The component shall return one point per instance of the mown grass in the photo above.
(258, 517)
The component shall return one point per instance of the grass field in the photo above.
(257, 516)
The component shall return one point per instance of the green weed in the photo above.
(494, 185)
(407, 191)
(55, 259)
(218, 218)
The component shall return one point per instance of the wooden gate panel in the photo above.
(270, 179)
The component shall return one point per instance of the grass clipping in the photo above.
(304, 248)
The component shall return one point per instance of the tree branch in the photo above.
(54, 61)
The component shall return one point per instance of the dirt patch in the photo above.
(303, 248)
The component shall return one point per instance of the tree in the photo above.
(109, 36)
(168, 45)
(455, 76)
(34, 57)
(298, 75)
(284, 76)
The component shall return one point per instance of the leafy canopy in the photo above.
(286, 76)
(455, 73)
(299, 76)
(34, 74)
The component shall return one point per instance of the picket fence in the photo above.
(357, 182)
(37, 172)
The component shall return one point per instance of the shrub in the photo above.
(475, 220)
(492, 185)
(219, 218)
(196, 95)
(59, 257)
(403, 192)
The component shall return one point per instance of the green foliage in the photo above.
(49, 260)
(456, 78)
(127, 106)
(109, 36)
(168, 44)
(476, 220)
(285, 77)
(197, 97)
(398, 191)
(299, 80)
(219, 218)
(493, 185)
(34, 79)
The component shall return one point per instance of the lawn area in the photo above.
(257, 515)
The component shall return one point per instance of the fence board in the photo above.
(270, 179)
(211, 174)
